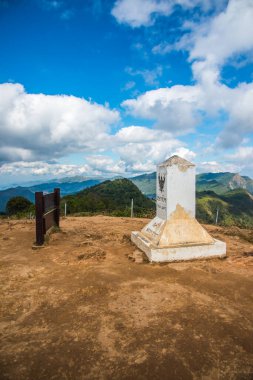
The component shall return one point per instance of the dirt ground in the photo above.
(81, 309)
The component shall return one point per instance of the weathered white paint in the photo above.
(178, 188)
(174, 234)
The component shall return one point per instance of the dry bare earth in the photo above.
(80, 309)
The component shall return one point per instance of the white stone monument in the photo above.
(174, 234)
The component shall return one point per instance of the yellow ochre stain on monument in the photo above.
(182, 229)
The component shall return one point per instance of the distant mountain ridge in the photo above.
(48, 187)
(220, 183)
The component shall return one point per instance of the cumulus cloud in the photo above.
(106, 164)
(239, 107)
(217, 38)
(228, 34)
(174, 109)
(241, 160)
(224, 36)
(139, 12)
(136, 13)
(39, 168)
(38, 126)
(180, 109)
(243, 157)
(142, 148)
(218, 167)
(36, 130)
(138, 134)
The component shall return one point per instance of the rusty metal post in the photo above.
(39, 210)
(57, 198)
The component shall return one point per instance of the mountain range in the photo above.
(219, 183)
(234, 207)
(67, 187)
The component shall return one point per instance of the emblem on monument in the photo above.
(161, 180)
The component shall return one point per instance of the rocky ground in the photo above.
(81, 309)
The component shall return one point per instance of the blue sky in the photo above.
(104, 88)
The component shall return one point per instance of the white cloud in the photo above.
(139, 149)
(223, 36)
(150, 77)
(243, 157)
(106, 164)
(136, 13)
(142, 148)
(139, 12)
(239, 105)
(129, 85)
(210, 43)
(217, 167)
(174, 109)
(243, 154)
(12, 154)
(39, 168)
(38, 126)
(179, 109)
(185, 153)
(135, 149)
(215, 39)
(227, 34)
(137, 134)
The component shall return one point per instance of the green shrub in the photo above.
(17, 205)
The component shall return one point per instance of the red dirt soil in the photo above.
(80, 309)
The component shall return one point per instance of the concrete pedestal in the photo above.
(178, 253)
(174, 234)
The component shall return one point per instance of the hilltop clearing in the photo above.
(80, 309)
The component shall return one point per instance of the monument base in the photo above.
(178, 253)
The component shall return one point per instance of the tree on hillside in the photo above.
(16, 205)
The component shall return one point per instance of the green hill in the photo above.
(112, 197)
(234, 208)
(7, 194)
